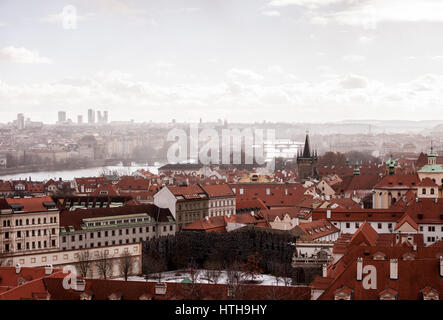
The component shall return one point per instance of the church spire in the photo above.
(306, 149)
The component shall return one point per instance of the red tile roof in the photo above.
(218, 190)
(75, 218)
(318, 229)
(31, 204)
(398, 181)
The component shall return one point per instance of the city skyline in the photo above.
(306, 60)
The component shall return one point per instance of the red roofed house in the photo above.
(221, 199)
(391, 188)
(28, 225)
(186, 203)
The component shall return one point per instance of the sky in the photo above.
(240, 60)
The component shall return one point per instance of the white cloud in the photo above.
(333, 98)
(271, 13)
(22, 55)
(354, 58)
(243, 75)
(368, 14)
(365, 39)
(353, 82)
(303, 3)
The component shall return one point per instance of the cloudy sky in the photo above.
(241, 60)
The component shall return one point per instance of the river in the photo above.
(78, 173)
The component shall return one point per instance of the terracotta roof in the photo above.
(75, 218)
(364, 234)
(406, 219)
(398, 181)
(426, 210)
(414, 276)
(427, 182)
(218, 190)
(192, 191)
(30, 204)
(391, 214)
(318, 229)
(219, 223)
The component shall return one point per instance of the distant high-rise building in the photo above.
(79, 119)
(91, 116)
(61, 116)
(105, 116)
(20, 121)
(102, 118)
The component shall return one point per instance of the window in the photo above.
(432, 191)
(431, 228)
(53, 243)
(64, 239)
(379, 225)
(72, 238)
(423, 191)
(357, 225)
(164, 228)
(348, 225)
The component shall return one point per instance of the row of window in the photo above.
(221, 203)
(215, 213)
(190, 206)
(33, 221)
(431, 228)
(107, 243)
(357, 225)
(108, 233)
(31, 233)
(32, 245)
(121, 221)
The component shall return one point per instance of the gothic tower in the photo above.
(307, 162)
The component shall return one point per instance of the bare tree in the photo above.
(235, 279)
(252, 266)
(104, 265)
(84, 263)
(212, 271)
(126, 263)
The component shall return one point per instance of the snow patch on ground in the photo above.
(180, 275)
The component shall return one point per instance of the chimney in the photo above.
(252, 213)
(325, 270)
(393, 267)
(328, 214)
(18, 268)
(441, 266)
(414, 247)
(48, 269)
(160, 288)
(359, 269)
(207, 218)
